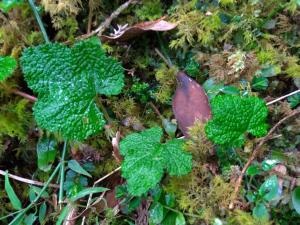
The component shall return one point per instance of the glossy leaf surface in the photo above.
(233, 116)
(67, 81)
(145, 159)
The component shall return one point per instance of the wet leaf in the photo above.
(75, 166)
(269, 189)
(15, 201)
(124, 33)
(46, 152)
(190, 103)
(260, 212)
(296, 199)
(88, 191)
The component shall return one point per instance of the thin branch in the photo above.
(106, 23)
(114, 15)
(27, 181)
(24, 95)
(107, 175)
(283, 97)
(90, 17)
(155, 109)
(257, 150)
(39, 20)
(163, 58)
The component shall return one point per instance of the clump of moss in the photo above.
(201, 193)
(229, 67)
(150, 10)
(167, 80)
(239, 217)
(198, 144)
(15, 119)
(195, 26)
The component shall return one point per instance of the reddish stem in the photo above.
(24, 95)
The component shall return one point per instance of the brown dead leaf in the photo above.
(116, 148)
(124, 33)
(190, 102)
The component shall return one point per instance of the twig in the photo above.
(256, 151)
(90, 17)
(107, 175)
(24, 95)
(156, 110)
(106, 23)
(38, 19)
(114, 15)
(283, 97)
(163, 58)
(27, 181)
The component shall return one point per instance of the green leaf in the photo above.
(231, 90)
(7, 66)
(253, 170)
(156, 213)
(296, 199)
(233, 116)
(87, 191)
(145, 159)
(170, 219)
(260, 83)
(269, 189)
(268, 71)
(180, 220)
(75, 166)
(30, 219)
(18, 219)
(67, 81)
(260, 212)
(46, 152)
(294, 100)
(7, 5)
(15, 201)
(38, 190)
(63, 215)
(268, 164)
(42, 212)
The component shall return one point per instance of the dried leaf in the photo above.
(190, 102)
(124, 33)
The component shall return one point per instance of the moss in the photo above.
(239, 217)
(149, 10)
(201, 193)
(166, 78)
(198, 144)
(15, 119)
(195, 26)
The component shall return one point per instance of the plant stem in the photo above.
(27, 181)
(169, 64)
(62, 174)
(101, 106)
(283, 97)
(22, 212)
(24, 95)
(38, 19)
